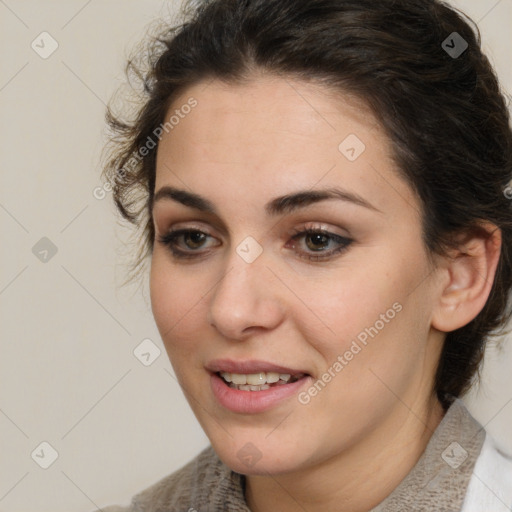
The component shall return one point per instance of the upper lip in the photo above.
(249, 366)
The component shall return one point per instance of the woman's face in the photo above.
(288, 249)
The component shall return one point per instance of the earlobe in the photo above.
(470, 271)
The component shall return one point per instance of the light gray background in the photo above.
(69, 376)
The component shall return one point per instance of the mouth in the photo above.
(254, 386)
(260, 381)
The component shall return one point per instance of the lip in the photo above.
(252, 402)
(250, 366)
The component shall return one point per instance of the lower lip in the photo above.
(251, 402)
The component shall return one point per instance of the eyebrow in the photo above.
(278, 206)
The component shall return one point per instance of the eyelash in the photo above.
(169, 240)
(343, 242)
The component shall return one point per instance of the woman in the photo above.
(322, 189)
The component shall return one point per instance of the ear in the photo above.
(468, 274)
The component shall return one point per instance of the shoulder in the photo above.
(490, 487)
(205, 483)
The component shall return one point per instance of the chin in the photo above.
(258, 454)
(250, 461)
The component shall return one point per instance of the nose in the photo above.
(245, 300)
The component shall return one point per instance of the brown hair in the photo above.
(439, 102)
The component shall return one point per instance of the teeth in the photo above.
(255, 381)
(272, 377)
(238, 378)
(248, 387)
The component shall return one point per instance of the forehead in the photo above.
(266, 109)
(274, 134)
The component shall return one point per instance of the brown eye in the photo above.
(317, 241)
(188, 243)
(318, 244)
(194, 239)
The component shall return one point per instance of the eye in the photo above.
(314, 244)
(317, 244)
(187, 243)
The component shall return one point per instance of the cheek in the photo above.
(344, 307)
(369, 313)
(176, 301)
(382, 341)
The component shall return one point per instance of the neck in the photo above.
(355, 480)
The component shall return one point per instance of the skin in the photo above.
(241, 147)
